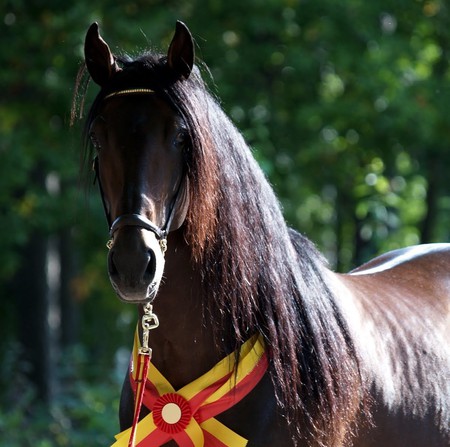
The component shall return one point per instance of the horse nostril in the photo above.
(112, 269)
(151, 265)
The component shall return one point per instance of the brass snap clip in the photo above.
(149, 321)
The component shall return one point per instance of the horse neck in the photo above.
(183, 344)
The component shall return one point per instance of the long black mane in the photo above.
(258, 275)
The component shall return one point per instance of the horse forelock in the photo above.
(259, 276)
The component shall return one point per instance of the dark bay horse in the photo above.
(353, 359)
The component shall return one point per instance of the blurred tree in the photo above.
(344, 111)
(345, 105)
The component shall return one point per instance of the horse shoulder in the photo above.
(398, 311)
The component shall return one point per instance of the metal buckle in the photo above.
(163, 245)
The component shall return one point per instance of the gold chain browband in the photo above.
(130, 91)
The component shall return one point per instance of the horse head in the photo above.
(140, 140)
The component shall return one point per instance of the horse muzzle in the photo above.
(135, 259)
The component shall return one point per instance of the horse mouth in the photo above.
(143, 293)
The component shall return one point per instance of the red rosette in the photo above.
(171, 413)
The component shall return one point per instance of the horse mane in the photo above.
(258, 275)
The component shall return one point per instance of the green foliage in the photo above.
(329, 88)
(345, 104)
(84, 411)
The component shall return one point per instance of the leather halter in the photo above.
(137, 220)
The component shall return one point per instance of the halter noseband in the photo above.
(136, 220)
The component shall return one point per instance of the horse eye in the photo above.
(95, 141)
(180, 139)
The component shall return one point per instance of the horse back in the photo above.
(397, 307)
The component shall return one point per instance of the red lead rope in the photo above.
(149, 321)
(141, 376)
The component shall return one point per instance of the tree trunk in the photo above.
(33, 314)
(69, 309)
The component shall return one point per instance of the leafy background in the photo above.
(346, 105)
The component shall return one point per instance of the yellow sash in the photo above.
(187, 415)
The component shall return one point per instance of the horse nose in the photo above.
(132, 270)
(135, 265)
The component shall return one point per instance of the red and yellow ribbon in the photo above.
(187, 415)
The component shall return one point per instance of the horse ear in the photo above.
(180, 57)
(100, 61)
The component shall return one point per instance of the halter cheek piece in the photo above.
(136, 220)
